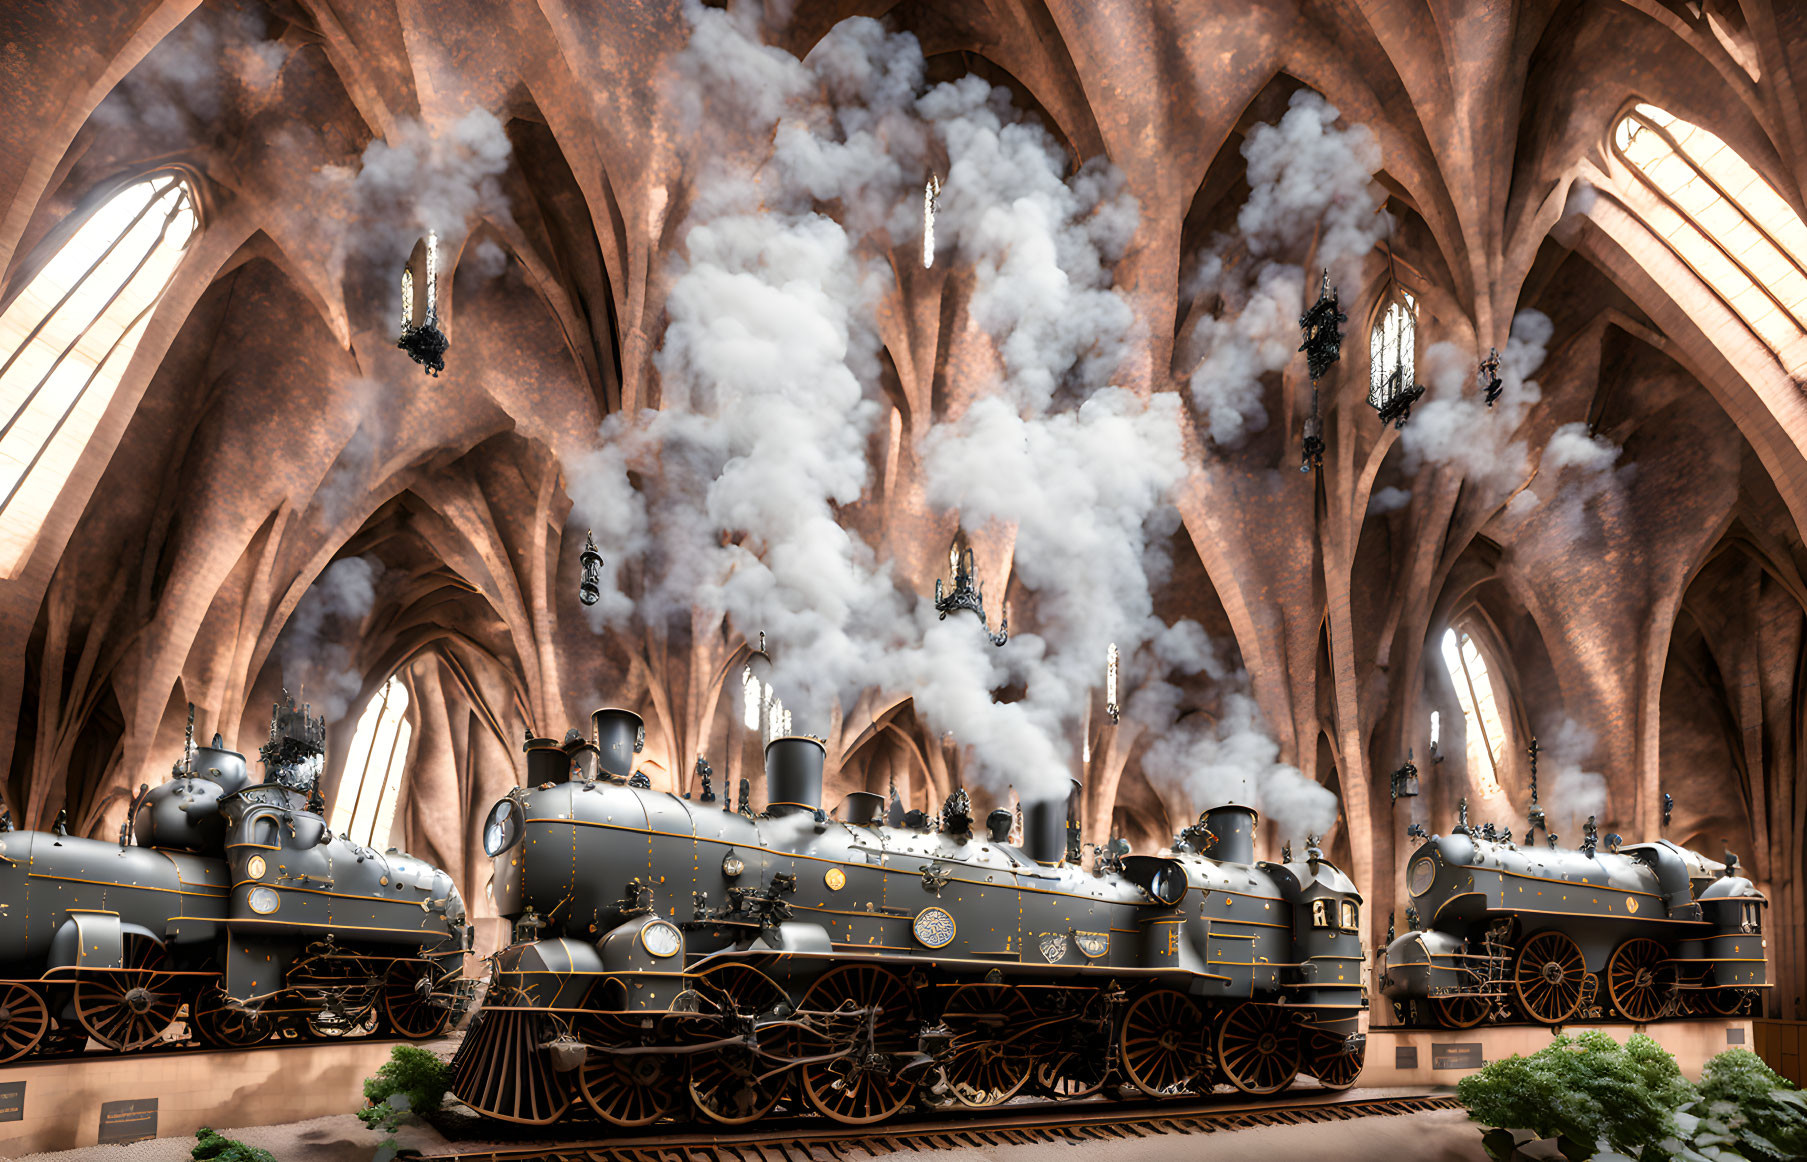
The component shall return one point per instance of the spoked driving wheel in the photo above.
(990, 1058)
(737, 1084)
(1166, 1043)
(1460, 1012)
(407, 1000)
(625, 1089)
(1550, 977)
(129, 1007)
(225, 1027)
(1726, 1002)
(1258, 1048)
(1640, 980)
(24, 1019)
(1334, 1066)
(860, 1019)
(501, 1072)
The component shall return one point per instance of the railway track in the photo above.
(809, 1140)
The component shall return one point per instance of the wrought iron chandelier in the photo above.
(589, 590)
(968, 594)
(1321, 328)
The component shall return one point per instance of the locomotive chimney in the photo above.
(1045, 830)
(619, 735)
(1232, 838)
(793, 774)
(863, 809)
(547, 762)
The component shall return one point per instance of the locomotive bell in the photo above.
(1232, 833)
(547, 762)
(619, 736)
(225, 767)
(793, 774)
(998, 824)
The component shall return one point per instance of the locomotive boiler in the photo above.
(672, 955)
(1551, 934)
(227, 903)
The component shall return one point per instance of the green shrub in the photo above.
(411, 1081)
(211, 1147)
(1606, 1101)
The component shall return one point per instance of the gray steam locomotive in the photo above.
(671, 954)
(1551, 935)
(228, 904)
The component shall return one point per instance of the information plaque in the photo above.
(1456, 1055)
(133, 1120)
(12, 1101)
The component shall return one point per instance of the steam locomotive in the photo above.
(226, 903)
(1551, 934)
(671, 954)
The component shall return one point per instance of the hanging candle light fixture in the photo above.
(1110, 683)
(1321, 329)
(968, 594)
(421, 337)
(1490, 376)
(589, 590)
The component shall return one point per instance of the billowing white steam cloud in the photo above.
(317, 646)
(1311, 186)
(769, 372)
(1453, 425)
(1569, 792)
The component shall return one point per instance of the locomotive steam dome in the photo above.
(222, 766)
(619, 736)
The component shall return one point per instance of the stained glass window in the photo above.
(1480, 710)
(1723, 219)
(1392, 364)
(365, 809)
(66, 338)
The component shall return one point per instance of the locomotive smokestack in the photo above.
(547, 762)
(1045, 830)
(619, 735)
(1232, 833)
(793, 774)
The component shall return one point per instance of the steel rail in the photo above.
(808, 1139)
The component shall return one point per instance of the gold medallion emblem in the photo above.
(1053, 946)
(255, 868)
(1092, 944)
(1631, 903)
(835, 878)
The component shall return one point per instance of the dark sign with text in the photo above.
(1405, 1057)
(12, 1101)
(1456, 1055)
(128, 1121)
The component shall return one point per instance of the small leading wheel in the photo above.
(1640, 979)
(1334, 1066)
(990, 1058)
(735, 1085)
(24, 1019)
(129, 1007)
(1461, 1012)
(860, 1018)
(338, 995)
(407, 1000)
(1550, 978)
(1726, 1002)
(1166, 1043)
(625, 1089)
(1258, 1048)
(501, 1072)
(225, 1027)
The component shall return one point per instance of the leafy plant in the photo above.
(210, 1146)
(411, 1081)
(1609, 1102)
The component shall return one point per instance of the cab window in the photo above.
(1351, 916)
(1320, 914)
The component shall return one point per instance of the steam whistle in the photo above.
(704, 773)
(1462, 816)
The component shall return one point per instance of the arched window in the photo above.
(1480, 710)
(66, 338)
(1723, 220)
(365, 809)
(1392, 352)
(761, 708)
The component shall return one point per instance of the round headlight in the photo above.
(254, 867)
(732, 865)
(661, 939)
(502, 828)
(264, 900)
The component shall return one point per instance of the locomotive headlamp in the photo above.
(254, 867)
(661, 939)
(732, 865)
(502, 828)
(264, 900)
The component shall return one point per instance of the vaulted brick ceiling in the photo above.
(267, 426)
